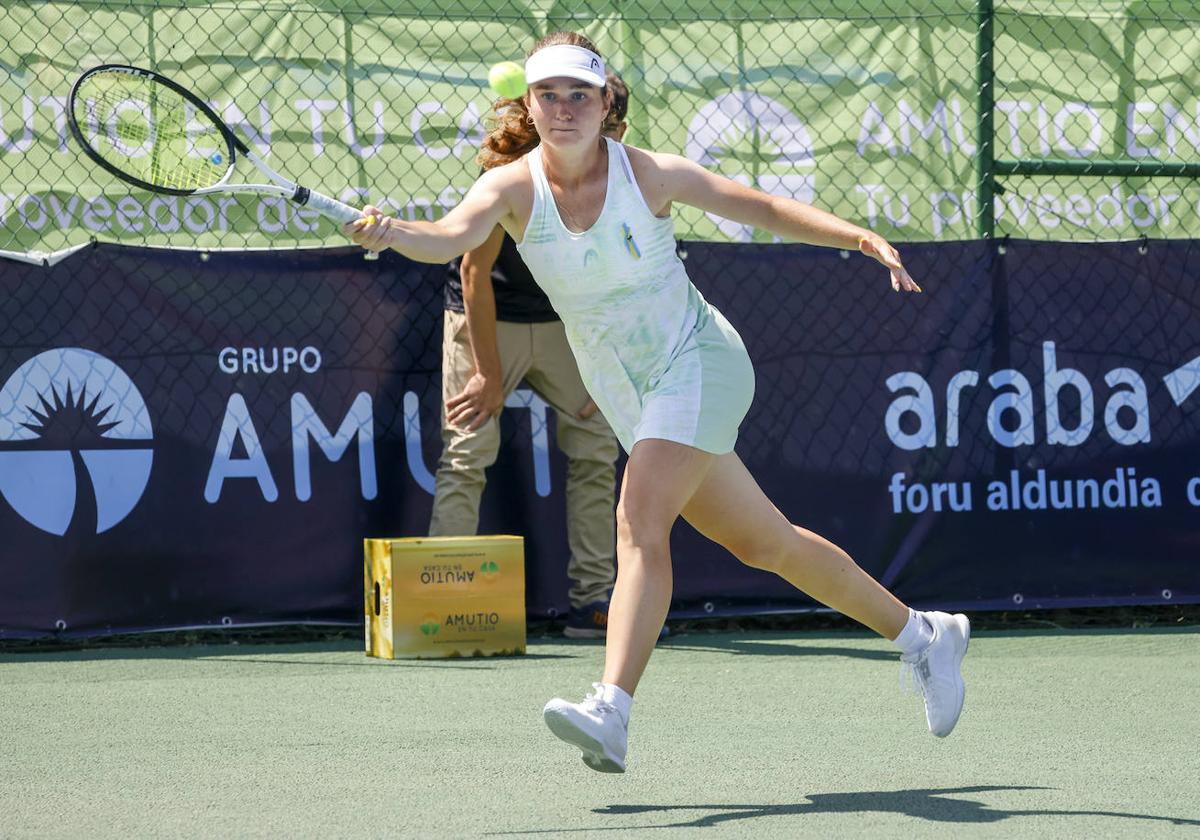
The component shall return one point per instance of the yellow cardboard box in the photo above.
(428, 597)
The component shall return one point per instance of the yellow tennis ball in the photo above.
(507, 79)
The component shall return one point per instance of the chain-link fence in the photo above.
(1039, 368)
(867, 108)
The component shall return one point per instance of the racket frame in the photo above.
(281, 186)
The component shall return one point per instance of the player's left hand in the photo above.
(878, 248)
(373, 231)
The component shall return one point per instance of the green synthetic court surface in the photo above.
(1090, 734)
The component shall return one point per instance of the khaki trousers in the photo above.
(539, 354)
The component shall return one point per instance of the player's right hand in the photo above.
(373, 231)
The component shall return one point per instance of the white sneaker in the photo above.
(595, 726)
(938, 670)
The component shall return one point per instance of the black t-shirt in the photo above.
(518, 296)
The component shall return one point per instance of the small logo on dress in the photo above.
(630, 245)
(590, 257)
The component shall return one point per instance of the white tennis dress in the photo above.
(659, 361)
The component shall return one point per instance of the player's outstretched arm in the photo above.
(464, 228)
(689, 183)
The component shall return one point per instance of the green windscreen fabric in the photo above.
(867, 109)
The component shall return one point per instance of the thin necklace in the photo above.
(569, 217)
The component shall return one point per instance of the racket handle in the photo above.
(326, 206)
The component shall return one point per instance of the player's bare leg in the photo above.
(730, 508)
(659, 479)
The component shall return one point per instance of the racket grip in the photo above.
(326, 206)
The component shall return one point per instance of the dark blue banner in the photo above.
(203, 439)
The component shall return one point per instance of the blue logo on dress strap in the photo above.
(630, 245)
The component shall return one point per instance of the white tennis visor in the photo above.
(565, 60)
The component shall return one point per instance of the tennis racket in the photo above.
(157, 135)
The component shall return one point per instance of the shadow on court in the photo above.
(449, 663)
(268, 655)
(744, 647)
(936, 805)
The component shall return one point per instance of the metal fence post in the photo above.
(985, 78)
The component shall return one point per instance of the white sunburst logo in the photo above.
(66, 414)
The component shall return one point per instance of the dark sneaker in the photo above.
(591, 622)
(587, 622)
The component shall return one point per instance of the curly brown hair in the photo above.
(511, 134)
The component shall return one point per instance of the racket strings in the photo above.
(151, 132)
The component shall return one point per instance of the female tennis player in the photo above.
(670, 374)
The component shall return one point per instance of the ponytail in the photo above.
(512, 134)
